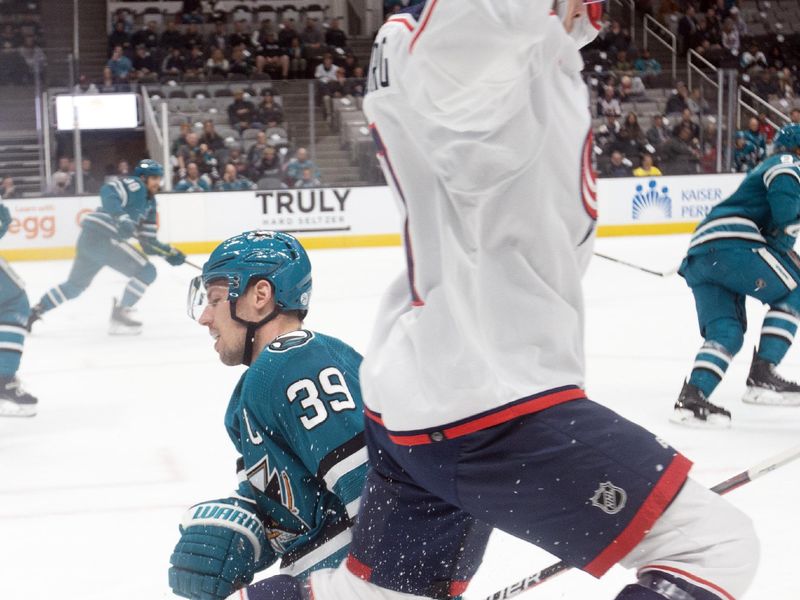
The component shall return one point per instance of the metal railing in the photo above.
(156, 133)
(752, 108)
(691, 66)
(665, 37)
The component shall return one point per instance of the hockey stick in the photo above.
(640, 268)
(724, 487)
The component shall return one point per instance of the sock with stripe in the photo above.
(133, 292)
(777, 334)
(53, 298)
(709, 368)
(12, 339)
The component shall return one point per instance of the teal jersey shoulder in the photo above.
(296, 418)
(763, 210)
(123, 196)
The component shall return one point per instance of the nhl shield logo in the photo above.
(609, 498)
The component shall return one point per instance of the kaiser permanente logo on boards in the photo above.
(688, 198)
(305, 210)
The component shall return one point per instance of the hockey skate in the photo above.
(33, 316)
(693, 410)
(122, 321)
(766, 387)
(14, 401)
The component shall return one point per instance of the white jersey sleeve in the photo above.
(481, 121)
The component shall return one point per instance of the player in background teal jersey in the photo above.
(295, 418)
(744, 247)
(128, 210)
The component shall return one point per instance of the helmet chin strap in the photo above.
(252, 328)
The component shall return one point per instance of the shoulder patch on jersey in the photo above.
(787, 159)
(132, 184)
(291, 340)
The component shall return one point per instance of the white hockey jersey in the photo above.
(482, 124)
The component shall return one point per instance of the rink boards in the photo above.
(47, 228)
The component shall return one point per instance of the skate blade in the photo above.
(686, 418)
(765, 397)
(12, 409)
(115, 329)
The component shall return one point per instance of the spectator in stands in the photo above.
(708, 148)
(703, 35)
(607, 104)
(630, 88)
(738, 22)
(332, 89)
(123, 168)
(172, 37)
(350, 64)
(120, 65)
(7, 189)
(193, 37)
(60, 185)
(272, 59)
(658, 133)
(294, 169)
(623, 64)
(208, 164)
(84, 86)
(687, 120)
(334, 36)
(753, 135)
(287, 35)
(232, 181)
(297, 61)
(616, 167)
(118, 37)
(356, 85)
(714, 26)
(242, 113)
(192, 182)
(217, 65)
(218, 38)
(696, 103)
(181, 139)
(147, 36)
(776, 58)
(646, 64)
(238, 159)
(730, 37)
(263, 32)
(632, 131)
(268, 111)
(764, 127)
(240, 36)
(680, 155)
(189, 152)
(9, 37)
(786, 84)
(307, 179)
(313, 41)
(745, 154)
(753, 59)
(174, 63)
(617, 38)
(240, 61)
(195, 64)
(256, 151)
(33, 56)
(687, 27)
(210, 137)
(325, 74)
(607, 133)
(90, 183)
(145, 67)
(678, 101)
(766, 86)
(192, 11)
(107, 86)
(269, 164)
(795, 115)
(647, 168)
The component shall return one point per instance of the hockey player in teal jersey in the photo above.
(14, 309)
(744, 247)
(295, 417)
(128, 210)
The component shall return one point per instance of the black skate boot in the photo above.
(765, 386)
(35, 314)
(14, 401)
(693, 410)
(122, 321)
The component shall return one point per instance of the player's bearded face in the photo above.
(153, 184)
(228, 335)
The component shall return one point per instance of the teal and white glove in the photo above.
(223, 545)
(125, 227)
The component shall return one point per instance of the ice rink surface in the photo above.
(130, 431)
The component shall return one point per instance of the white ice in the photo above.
(130, 432)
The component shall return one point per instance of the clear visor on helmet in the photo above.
(201, 297)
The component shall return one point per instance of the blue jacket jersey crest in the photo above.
(127, 196)
(296, 418)
(764, 210)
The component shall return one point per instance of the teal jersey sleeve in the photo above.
(782, 181)
(296, 418)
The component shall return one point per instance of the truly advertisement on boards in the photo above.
(663, 199)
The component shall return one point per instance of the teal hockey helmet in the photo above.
(251, 256)
(788, 137)
(147, 167)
